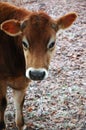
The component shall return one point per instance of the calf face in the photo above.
(37, 34)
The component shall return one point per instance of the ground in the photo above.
(58, 102)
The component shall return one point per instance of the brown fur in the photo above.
(8, 11)
(40, 31)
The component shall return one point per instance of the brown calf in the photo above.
(27, 42)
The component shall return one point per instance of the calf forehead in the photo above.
(38, 23)
(39, 20)
(39, 28)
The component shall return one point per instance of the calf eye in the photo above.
(51, 45)
(25, 43)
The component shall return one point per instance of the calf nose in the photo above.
(37, 75)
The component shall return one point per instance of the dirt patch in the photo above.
(59, 102)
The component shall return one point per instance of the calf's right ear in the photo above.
(11, 27)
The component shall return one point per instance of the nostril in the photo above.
(43, 74)
(30, 72)
(37, 75)
(33, 73)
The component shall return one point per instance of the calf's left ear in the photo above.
(11, 27)
(65, 21)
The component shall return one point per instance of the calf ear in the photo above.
(11, 27)
(65, 21)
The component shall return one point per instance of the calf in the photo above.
(27, 42)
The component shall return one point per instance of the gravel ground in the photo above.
(59, 102)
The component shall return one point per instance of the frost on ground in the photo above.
(59, 102)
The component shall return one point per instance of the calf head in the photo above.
(38, 35)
